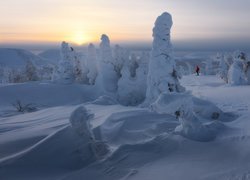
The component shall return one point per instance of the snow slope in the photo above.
(143, 145)
(43, 95)
(17, 58)
(53, 55)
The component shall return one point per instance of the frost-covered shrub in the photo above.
(31, 71)
(17, 76)
(46, 72)
(4, 74)
(21, 107)
(162, 75)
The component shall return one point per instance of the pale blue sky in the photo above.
(82, 21)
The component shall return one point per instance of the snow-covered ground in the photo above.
(142, 144)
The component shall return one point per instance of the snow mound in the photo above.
(124, 162)
(105, 100)
(193, 114)
(56, 155)
(169, 103)
(46, 94)
(131, 127)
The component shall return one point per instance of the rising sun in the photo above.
(79, 38)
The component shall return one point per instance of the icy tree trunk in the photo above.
(162, 75)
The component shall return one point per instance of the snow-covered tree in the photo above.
(46, 72)
(80, 123)
(107, 76)
(223, 68)
(5, 74)
(17, 76)
(209, 69)
(236, 74)
(91, 64)
(247, 72)
(131, 90)
(162, 76)
(133, 65)
(31, 71)
(120, 57)
(65, 71)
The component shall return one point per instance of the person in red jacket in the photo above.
(197, 70)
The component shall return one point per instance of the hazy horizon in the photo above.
(206, 24)
(201, 45)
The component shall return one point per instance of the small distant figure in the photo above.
(197, 70)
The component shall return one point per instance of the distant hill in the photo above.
(16, 58)
(53, 55)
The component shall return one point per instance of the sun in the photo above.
(79, 38)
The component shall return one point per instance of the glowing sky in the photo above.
(82, 21)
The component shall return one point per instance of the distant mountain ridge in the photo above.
(53, 55)
(17, 58)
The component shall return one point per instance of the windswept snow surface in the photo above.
(143, 144)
